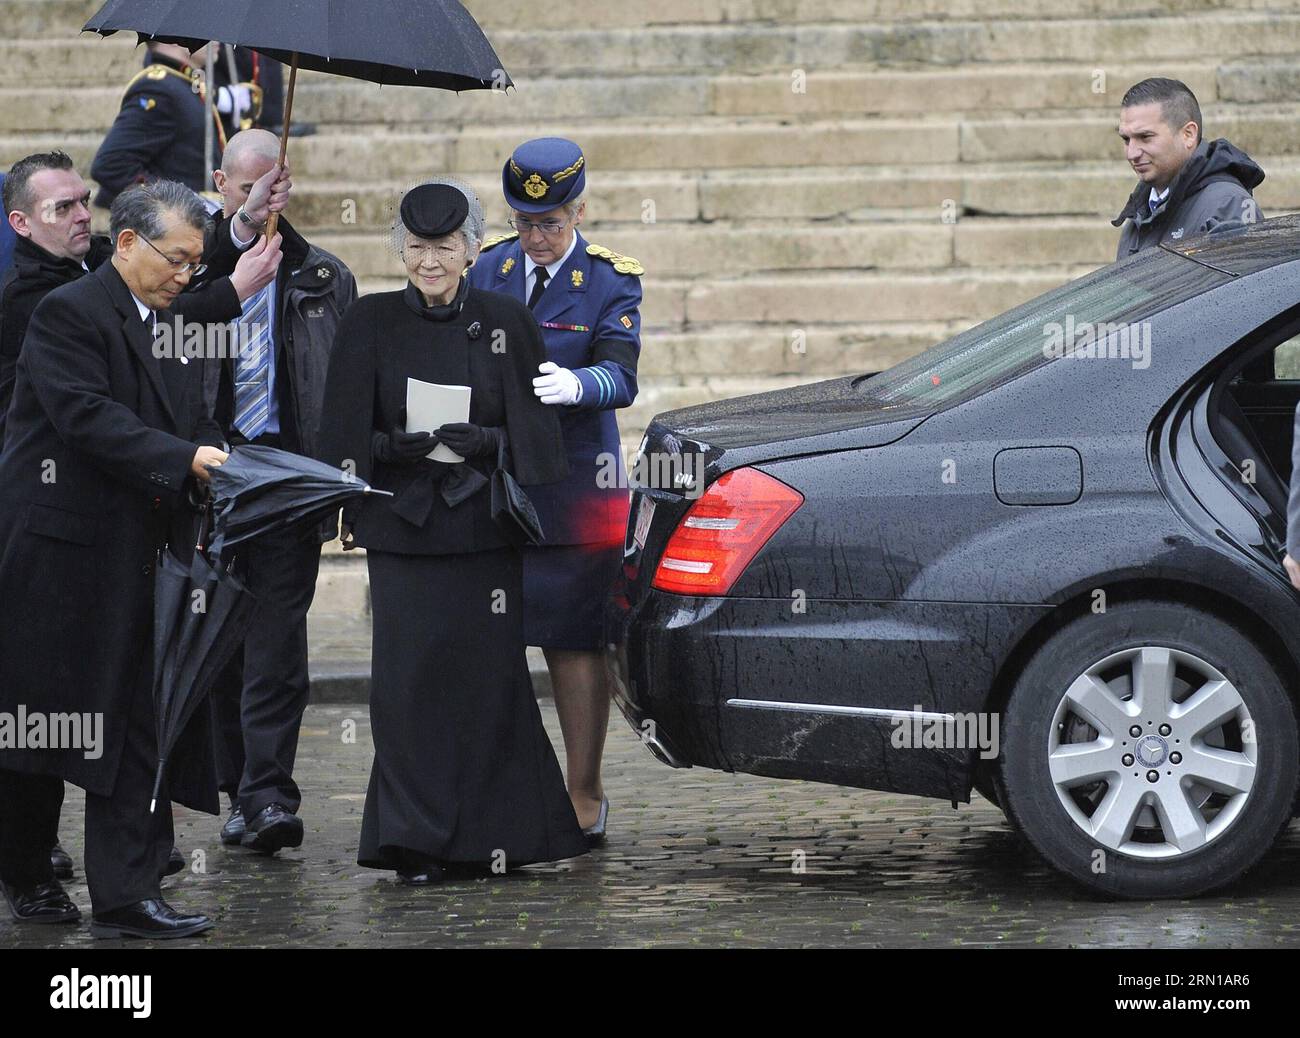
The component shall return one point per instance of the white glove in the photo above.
(557, 385)
(228, 97)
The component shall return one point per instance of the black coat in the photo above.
(388, 337)
(36, 273)
(94, 477)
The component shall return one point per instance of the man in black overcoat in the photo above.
(105, 446)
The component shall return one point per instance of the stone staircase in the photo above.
(815, 187)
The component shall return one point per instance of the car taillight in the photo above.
(723, 531)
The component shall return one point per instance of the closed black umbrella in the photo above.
(433, 43)
(201, 613)
(261, 489)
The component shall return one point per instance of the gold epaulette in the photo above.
(157, 72)
(496, 240)
(623, 264)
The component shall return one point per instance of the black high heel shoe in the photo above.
(595, 833)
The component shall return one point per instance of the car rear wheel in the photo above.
(1149, 751)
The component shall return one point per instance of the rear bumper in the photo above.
(656, 651)
(748, 685)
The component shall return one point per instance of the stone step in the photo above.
(789, 301)
(684, 250)
(25, 19)
(506, 14)
(701, 144)
(1166, 38)
(845, 92)
(38, 18)
(916, 193)
(588, 53)
(339, 105)
(794, 299)
(820, 351)
(716, 143)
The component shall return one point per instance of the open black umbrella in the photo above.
(201, 613)
(433, 43)
(260, 489)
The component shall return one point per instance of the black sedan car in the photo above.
(1041, 560)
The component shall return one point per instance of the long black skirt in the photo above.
(464, 771)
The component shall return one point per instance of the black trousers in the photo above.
(126, 846)
(257, 717)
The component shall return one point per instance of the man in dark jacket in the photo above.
(272, 395)
(105, 443)
(1186, 186)
(48, 205)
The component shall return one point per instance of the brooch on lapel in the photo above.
(323, 273)
(576, 278)
(508, 265)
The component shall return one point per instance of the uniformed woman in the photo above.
(464, 773)
(587, 300)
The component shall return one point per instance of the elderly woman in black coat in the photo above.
(464, 772)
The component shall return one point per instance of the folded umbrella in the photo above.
(261, 489)
(201, 614)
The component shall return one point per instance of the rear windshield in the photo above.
(1034, 333)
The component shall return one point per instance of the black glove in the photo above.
(401, 448)
(471, 441)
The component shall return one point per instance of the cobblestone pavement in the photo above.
(694, 858)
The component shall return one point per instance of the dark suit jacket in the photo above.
(94, 477)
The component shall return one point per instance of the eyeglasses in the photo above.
(546, 226)
(444, 254)
(182, 266)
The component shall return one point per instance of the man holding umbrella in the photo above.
(105, 443)
(271, 395)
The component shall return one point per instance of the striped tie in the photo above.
(253, 368)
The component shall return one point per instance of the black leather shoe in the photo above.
(426, 874)
(61, 862)
(273, 828)
(175, 863)
(595, 833)
(154, 919)
(232, 833)
(43, 903)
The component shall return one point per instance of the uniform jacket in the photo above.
(591, 323)
(94, 477)
(158, 134)
(1212, 191)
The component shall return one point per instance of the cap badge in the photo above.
(535, 187)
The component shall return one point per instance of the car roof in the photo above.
(1245, 249)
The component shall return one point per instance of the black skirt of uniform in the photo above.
(464, 771)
